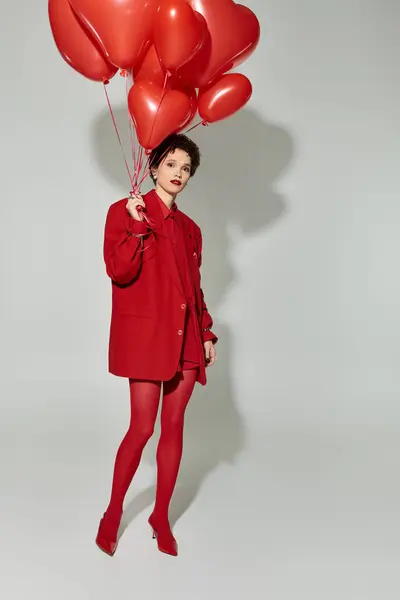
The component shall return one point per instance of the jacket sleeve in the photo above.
(206, 319)
(123, 244)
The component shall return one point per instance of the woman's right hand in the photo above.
(134, 206)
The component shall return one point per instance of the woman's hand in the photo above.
(134, 206)
(209, 353)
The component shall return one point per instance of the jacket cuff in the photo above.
(136, 227)
(209, 336)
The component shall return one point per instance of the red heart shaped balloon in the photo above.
(193, 108)
(75, 45)
(178, 33)
(123, 28)
(234, 32)
(224, 97)
(155, 114)
(151, 70)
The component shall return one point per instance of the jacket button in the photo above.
(183, 306)
(194, 254)
(180, 332)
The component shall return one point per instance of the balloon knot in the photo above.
(106, 81)
(147, 152)
(123, 73)
(204, 123)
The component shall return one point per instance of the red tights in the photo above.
(145, 398)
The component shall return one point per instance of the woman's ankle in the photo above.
(113, 513)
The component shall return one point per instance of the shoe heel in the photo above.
(167, 544)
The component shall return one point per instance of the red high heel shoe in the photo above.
(165, 540)
(106, 538)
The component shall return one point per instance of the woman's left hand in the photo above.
(209, 353)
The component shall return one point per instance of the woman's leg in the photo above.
(176, 396)
(145, 397)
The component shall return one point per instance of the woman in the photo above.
(160, 334)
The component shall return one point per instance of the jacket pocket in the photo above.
(128, 302)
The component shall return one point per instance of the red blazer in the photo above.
(148, 303)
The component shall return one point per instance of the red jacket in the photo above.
(148, 301)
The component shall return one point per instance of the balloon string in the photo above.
(119, 137)
(146, 169)
(130, 125)
(197, 124)
(145, 174)
(138, 157)
(140, 164)
(167, 74)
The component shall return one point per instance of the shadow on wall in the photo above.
(242, 158)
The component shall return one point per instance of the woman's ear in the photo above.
(154, 173)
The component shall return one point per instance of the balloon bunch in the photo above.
(178, 53)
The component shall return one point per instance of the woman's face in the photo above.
(173, 173)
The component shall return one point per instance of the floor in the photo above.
(294, 514)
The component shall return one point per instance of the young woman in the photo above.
(160, 334)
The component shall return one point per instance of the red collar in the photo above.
(164, 208)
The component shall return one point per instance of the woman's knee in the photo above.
(173, 422)
(140, 433)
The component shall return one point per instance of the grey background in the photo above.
(291, 458)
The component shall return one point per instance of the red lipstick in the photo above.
(176, 182)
